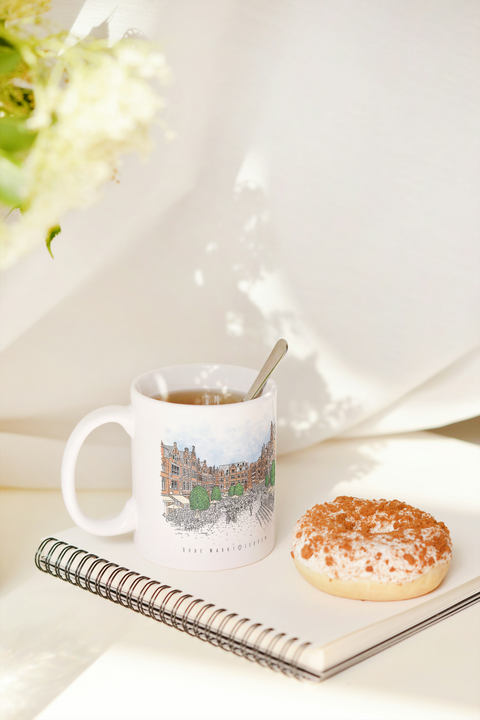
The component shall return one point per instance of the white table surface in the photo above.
(67, 654)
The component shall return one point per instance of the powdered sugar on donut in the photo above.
(383, 541)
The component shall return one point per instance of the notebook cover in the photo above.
(435, 474)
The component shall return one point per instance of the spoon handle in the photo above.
(271, 363)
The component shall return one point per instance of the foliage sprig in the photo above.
(68, 113)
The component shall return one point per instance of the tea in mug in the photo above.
(203, 396)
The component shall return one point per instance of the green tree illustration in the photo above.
(238, 489)
(272, 474)
(231, 491)
(216, 494)
(199, 499)
(267, 481)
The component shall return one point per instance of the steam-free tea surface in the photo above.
(202, 397)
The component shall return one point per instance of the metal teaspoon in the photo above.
(271, 363)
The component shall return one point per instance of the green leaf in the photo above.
(11, 181)
(14, 135)
(9, 58)
(53, 232)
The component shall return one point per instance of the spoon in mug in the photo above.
(278, 352)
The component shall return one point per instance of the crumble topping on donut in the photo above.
(384, 540)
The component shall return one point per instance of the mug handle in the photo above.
(126, 520)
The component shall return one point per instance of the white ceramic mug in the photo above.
(177, 448)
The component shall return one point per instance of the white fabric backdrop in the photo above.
(323, 187)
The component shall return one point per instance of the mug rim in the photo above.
(268, 391)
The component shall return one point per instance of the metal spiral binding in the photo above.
(174, 608)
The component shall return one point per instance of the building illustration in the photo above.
(183, 470)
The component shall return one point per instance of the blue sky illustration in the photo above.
(224, 445)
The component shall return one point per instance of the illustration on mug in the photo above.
(198, 497)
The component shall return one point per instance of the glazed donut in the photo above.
(371, 549)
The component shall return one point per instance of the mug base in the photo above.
(227, 557)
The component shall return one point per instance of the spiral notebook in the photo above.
(266, 612)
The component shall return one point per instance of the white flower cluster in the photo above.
(97, 105)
